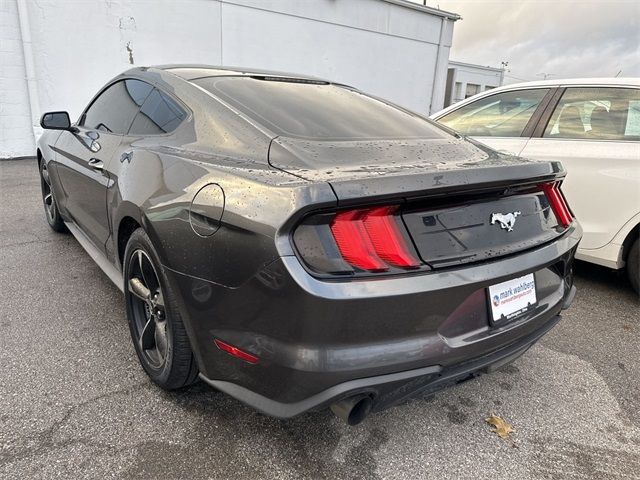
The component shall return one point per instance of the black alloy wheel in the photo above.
(157, 330)
(147, 307)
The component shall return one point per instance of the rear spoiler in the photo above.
(440, 183)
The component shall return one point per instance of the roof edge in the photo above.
(425, 9)
(475, 65)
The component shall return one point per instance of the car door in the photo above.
(595, 132)
(504, 121)
(82, 156)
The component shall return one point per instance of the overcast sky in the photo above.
(560, 38)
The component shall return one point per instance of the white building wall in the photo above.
(388, 48)
(16, 134)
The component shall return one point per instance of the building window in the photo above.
(471, 90)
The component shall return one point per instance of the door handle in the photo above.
(96, 164)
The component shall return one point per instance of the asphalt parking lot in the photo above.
(74, 402)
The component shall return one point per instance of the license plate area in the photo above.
(512, 298)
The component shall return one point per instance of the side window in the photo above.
(159, 114)
(500, 115)
(114, 110)
(596, 113)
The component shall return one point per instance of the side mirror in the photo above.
(56, 121)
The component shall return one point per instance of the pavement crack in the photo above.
(41, 442)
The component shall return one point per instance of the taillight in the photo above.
(358, 240)
(354, 242)
(558, 203)
(382, 228)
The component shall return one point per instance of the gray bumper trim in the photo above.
(288, 410)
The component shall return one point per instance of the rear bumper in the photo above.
(318, 341)
(390, 389)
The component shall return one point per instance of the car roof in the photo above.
(635, 81)
(193, 71)
(566, 82)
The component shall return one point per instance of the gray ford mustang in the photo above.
(298, 244)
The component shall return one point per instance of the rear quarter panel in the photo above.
(156, 189)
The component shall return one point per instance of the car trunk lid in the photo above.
(459, 202)
(476, 228)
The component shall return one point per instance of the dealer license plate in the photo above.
(512, 298)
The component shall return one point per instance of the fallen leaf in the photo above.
(500, 427)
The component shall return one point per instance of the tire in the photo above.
(156, 326)
(633, 266)
(52, 213)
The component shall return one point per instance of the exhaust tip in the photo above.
(353, 410)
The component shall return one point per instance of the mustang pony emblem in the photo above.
(507, 220)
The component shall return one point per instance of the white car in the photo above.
(591, 125)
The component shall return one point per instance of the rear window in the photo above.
(317, 111)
